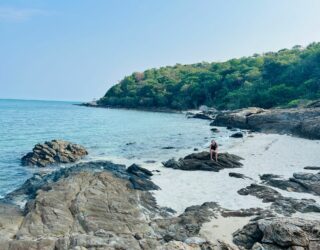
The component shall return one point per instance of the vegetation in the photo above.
(283, 78)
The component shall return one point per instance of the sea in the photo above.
(107, 134)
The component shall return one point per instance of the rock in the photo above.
(238, 175)
(208, 114)
(278, 233)
(248, 235)
(11, 218)
(304, 122)
(312, 168)
(280, 204)
(150, 161)
(138, 177)
(215, 130)
(237, 135)
(201, 161)
(130, 143)
(284, 184)
(202, 116)
(300, 182)
(84, 208)
(139, 171)
(266, 177)
(52, 152)
(195, 149)
(314, 104)
(168, 147)
(187, 224)
(262, 192)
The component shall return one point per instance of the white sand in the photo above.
(262, 153)
(221, 228)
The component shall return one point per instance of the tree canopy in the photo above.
(283, 78)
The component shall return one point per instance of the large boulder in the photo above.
(201, 161)
(279, 233)
(303, 122)
(55, 151)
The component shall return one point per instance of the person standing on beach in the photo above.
(214, 150)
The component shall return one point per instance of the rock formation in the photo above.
(97, 206)
(201, 161)
(55, 151)
(300, 182)
(279, 233)
(304, 122)
(280, 204)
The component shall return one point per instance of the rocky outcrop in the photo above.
(55, 151)
(201, 161)
(96, 206)
(139, 178)
(280, 204)
(304, 122)
(300, 182)
(279, 233)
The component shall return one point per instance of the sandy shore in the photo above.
(263, 153)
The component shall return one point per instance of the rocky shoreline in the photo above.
(103, 205)
(303, 122)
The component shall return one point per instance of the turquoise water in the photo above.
(104, 132)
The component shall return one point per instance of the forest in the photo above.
(287, 78)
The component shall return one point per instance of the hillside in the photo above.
(284, 78)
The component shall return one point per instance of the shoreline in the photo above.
(262, 154)
(157, 110)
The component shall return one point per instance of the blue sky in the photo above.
(76, 50)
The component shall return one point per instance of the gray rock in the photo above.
(238, 175)
(300, 182)
(280, 204)
(312, 168)
(86, 208)
(278, 233)
(304, 122)
(53, 152)
(237, 135)
(201, 161)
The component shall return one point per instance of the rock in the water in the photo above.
(237, 135)
(201, 161)
(279, 233)
(55, 151)
(202, 116)
(303, 122)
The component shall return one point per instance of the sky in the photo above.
(75, 50)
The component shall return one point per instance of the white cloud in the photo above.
(16, 14)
